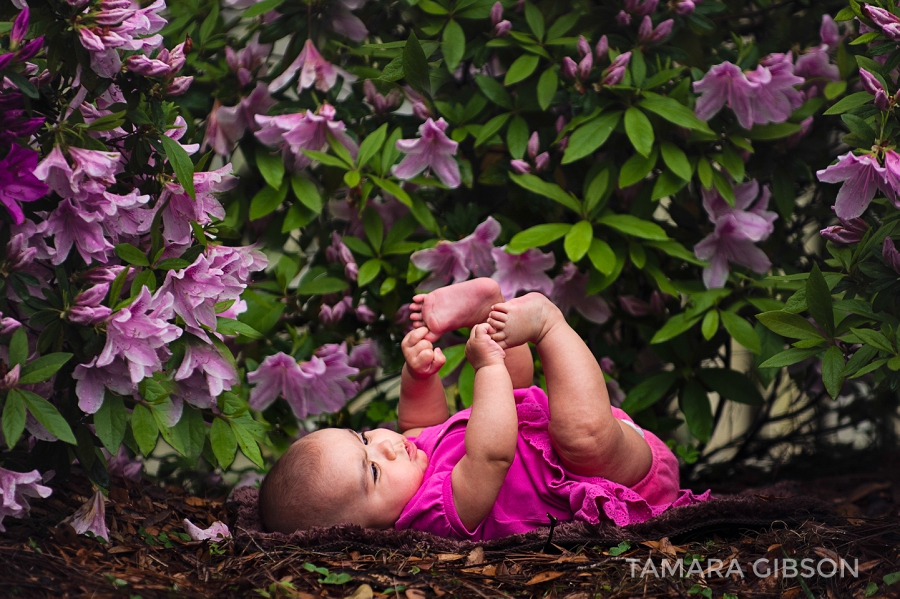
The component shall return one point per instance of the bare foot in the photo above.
(450, 308)
(524, 319)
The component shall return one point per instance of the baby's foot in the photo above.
(450, 308)
(524, 319)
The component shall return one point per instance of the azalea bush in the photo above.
(217, 212)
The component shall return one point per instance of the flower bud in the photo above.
(623, 19)
(534, 143)
(179, 85)
(583, 47)
(585, 66)
(520, 166)
(685, 8)
(496, 13)
(869, 82)
(19, 29)
(502, 28)
(11, 379)
(569, 69)
(662, 31)
(645, 30)
(542, 162)
(602, 48)
(365, 314)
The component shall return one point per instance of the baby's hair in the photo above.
(294, 494)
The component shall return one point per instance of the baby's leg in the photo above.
(465, 305)
(590, 441)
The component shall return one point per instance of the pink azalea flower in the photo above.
(15, 489)
(569, 291)
(235, 265)
(122, 465)
(87, 308)
(17, 181)
(523, 272)
(91, 517)
(776, 97)
(496, 13)
(863, 176)
(601, 50)
(314, 70)
(55, 171)
(195, 290)
(502, 28)
(365, 314)
(432, 150)
(456, 261)
(726, 83)
(216, 532)
(623, 19)
(615, 72)
(94, 170)
(381, 104)
(885, 20)
(180, 209)
(206, 361)
(331, 385)
(751, 214)
(250, 61)
(647, 34)
(847, 232)
(234, 121)
(293, 133)
(344, 22)
(138, 332)
(871, 84)
(828, 32)
(69, 224)
(890, 254)
(364, 356)
(334, 314)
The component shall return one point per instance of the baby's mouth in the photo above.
(411, 449)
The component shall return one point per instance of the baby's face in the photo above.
(377, 472)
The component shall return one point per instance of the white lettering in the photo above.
(651, 567)
(715, 565)
(736, 566)
(807, 569)
(834, 568)
(854, 571)
(695, 568)
(789, 568)
(677, 567)
(765, 561)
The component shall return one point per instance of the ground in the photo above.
(146, 558)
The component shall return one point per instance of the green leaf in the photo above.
(545, 188)
(110, 422)
(271, 166)
(732, 385)
(818, 299)
(491, 128)
(705, 173)
(246, 440)
(261, 8)
(393, 189)
(455, 356)
(676, 160)
(232, 327)
(596, 190)
(267, 200)
(562, 25)
(648, 392)
(535, 20)
(578, 240)
(181, 164)
(370, 145)
(772, 131)
(788, 325)
(602, 256)
(536, 236)
(732, 162)
(667, 184)
(891, 578)
(723, 186)
(674, 112)
(590, 136)
(131, 254)
(850, 102)
(18, 347)
(47, 414)
(13, 419)
(742, 331)
(339, 149)
(495, 92)
(790, 356)
(637, 168)
(521, 69)
(833, 371)
(517, 137)
(415, 65)
(373, 227)
(368, 271)
(43, 368)
(546, 88)
(307, 192)
(710, 324)
(674, 327)
(144, 429)
(634, 226)
(223, 442)
(321, 285)
(873, 338)
(453, 44)
(694, 403)
(639, 131)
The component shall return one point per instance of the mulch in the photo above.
(851, 519)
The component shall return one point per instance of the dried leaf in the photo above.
(827, 554)
(415, 594)
(475, 557)
(866, 566)
(544, 577)
(363, 591)
(449, 557)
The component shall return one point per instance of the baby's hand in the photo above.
(422, 358)
(481, 350)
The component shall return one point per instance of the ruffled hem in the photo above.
(620, 504)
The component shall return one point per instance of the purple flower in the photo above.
(432, 150)
(863, 176)
(777, 97)
(69, 224)
(179, 209)
(206, 361)
(87, 309)
(91, 517)
(138, 331)
(364, 357)
(344, 22)
(726, 83)
(496, 13)
(148, 67)
(520, 167)
(584, 48)
(647, 34)
(250, 61)
(685, 7)
(569, 291)
(195, 290)
(314, 70)
(118, 26)
(623, 19)
(293, 133)
(828, 32)
(815, 64)
(122, 465)
(234, 121)
(455, 261)
(751, 214)
(55, 171)
(334, 314)
(872, 85)
(17, 181)
(890, 254)
(15, 488)
(849, 231)
(94, 170)
(634, 306)
(216, 532)
(502, 28)
(641, 9)
(381, 104)
(615, 72)
(569, 68)
(523, 272)
(602, 48)
(11, 378)
(317, 386)
(888, 22)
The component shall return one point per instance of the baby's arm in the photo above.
(491, 433)
(422, 399)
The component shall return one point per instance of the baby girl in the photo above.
(497, 468)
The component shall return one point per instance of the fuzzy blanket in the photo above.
(779, 504)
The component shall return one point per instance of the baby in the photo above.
(497, 468)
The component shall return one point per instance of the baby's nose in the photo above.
(389, 450)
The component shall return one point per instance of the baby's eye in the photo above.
(375, 473)
(365, 439)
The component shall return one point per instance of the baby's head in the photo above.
(339, 476)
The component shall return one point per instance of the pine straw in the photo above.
(41, 558)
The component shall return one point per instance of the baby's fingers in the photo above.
(439, 360)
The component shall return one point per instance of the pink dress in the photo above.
(536, 482)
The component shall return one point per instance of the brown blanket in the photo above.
(726, 514)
